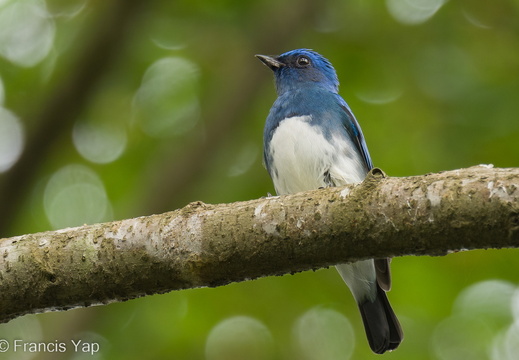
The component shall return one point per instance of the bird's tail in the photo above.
(382, 327)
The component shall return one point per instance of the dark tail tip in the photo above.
(382, 327)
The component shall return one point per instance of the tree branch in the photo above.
(212, 245)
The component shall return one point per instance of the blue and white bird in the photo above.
(312, 140)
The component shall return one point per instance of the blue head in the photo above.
(301, 68)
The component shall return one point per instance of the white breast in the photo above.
(301, 157)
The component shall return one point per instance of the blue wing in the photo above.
(353, 128)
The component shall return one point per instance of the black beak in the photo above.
(271, 62)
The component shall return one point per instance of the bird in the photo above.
(312, 140)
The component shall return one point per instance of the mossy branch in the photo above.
(212, 245)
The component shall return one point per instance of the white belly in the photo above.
(302, 158)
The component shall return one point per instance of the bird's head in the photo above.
(300, 68)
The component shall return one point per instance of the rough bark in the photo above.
(212, 245)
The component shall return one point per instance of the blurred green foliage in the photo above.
(114, 109)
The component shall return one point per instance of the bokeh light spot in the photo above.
(244, 160)
(472, 19)
(167, 101)
(324, 334)
(67, 9)
(11, 139)
(26, 328)
(489, 299)
(237, 338)
(412, 12)
(99, 143)
(462, 337)
(482, 325)
(167, 34)
(515, 305)
(74, 196)
(26, 32)
(2, 92)
(506, 344)
(379, 96)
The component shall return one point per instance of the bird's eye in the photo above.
(303, 61)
